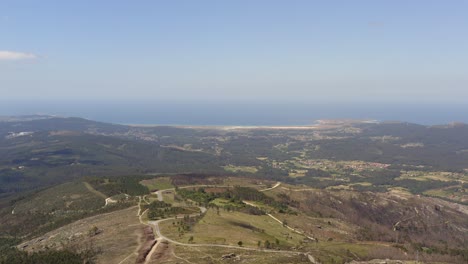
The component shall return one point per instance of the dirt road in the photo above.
(161, 237)
(273, 187)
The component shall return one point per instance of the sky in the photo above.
(243, 50)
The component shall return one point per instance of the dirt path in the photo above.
(160, 196)
(140, 217)
(144, 199)
(109, 201)
(274, 186)
(153, 249)
(125, 259)
(139, 206)
(279, 221)
(161, 237)
(203, 210)
(173, 254)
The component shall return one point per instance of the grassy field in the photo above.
(339, 252)
(161, 183)
(231, 227)
(223, 202)
(297, 173)
(169, 197)
(255, 183)
(434, 175)
(453, 193)
(248, 169)
(211, 255)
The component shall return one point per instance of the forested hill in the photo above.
(41, 150)
(51, 123)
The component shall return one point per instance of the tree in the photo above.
(239, 243)
(190, 240)
(267, 244)
(259, 243)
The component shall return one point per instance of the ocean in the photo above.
(240, 114)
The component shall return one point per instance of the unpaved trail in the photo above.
(144, 199)
(125, 259)
(153, 249)
(139, 206)
(279, 221)
(160, 196)
(273, 187)
(155, 224)
(133, 253)
(109, 201)
(140, 217)
(161, 237)
(173, 254)
(312, 259)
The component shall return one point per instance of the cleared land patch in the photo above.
(248, 169)
(215, 255)
(62, 199)
(117, 236)
(228, 228)
(160, 183)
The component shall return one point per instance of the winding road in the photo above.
(273, 187)
(161, 237)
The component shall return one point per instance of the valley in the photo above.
(336, 193)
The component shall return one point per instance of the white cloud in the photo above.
(12, 55)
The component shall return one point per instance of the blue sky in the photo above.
(244, 50)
